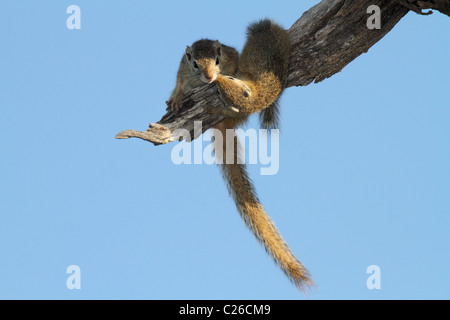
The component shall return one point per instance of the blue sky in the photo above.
(364, 173)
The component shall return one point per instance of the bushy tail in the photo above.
(252, 212)
(269, 118)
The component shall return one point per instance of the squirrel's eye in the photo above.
(195, 65)
(217, 61)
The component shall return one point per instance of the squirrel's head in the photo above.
(204, 59)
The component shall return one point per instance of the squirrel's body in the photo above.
(262, 70)
(256, 87)
(201, 64)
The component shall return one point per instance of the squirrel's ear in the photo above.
(218, 47)
(188, 53)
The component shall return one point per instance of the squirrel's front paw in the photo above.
(175, 103)
(224, 110)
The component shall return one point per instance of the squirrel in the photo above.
(249, 83)
(201, 64)
(257, 87)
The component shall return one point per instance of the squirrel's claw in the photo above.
(175, 103)
(224, 110)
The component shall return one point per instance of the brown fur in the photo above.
(262, 70)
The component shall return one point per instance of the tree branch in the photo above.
(417, 6)
(332, 34)
(325, 39)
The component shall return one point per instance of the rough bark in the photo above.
(325, 39)
(332, 34)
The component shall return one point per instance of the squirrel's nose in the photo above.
(210, 77)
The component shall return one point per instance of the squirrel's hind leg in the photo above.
(237, 94)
